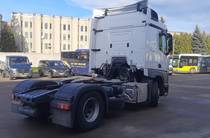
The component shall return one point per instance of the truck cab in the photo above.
(130, 43)
(17, 67)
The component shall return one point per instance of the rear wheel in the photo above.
(4, 75)
(154, 92)
(41, 73)
(90, 111)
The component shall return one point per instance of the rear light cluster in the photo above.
(63, 106)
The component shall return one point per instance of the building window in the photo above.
(69, 27)
(49, 47)
(31, 25)
(81, 38)
(45, 25)
(64, 37)
(45, 36)
(41, 25)
(26, 24)
(86, 28)
(86, 38)
(31, 35)
(64, 46)
(64, 27)
(68, 36)
(46, 46)
(21, 23)
(68, 46)
(31, 46)
(50, 26)
(50, 36)
(26, 34)
(81, 28)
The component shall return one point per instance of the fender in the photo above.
(28, 85)
(72, 93)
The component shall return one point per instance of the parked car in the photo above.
(53, 68)
(15, 67)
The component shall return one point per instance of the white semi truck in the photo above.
(129, 48)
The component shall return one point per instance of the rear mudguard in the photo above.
(72, 92)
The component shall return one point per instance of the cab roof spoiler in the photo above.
(139, 6)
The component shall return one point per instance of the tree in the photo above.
(199, 45)
(208, 44)
(7, 42)
(182, 43)
(206, 38)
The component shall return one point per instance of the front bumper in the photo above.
(21, 75)
(61, 74)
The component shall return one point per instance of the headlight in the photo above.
(54, 70)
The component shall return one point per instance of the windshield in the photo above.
(18, 60)
(56, 64)
(207, 61)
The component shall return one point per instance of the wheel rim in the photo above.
(91, 109)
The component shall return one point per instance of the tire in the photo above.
(154, 94)
(10, 76)
(90, 111)
(51, 74)
(192, 71)
(4, 75)
(41, 74)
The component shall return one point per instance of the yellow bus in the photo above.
(186, 63)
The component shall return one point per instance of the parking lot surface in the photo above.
(185, 113)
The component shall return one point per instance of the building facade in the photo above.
(35, 33)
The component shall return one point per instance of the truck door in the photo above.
(163, 65)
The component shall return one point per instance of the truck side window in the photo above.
(154, 16)
(162, 43)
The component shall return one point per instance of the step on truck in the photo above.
(128, 60)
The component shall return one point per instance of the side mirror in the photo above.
(31, 63)
(169, 43)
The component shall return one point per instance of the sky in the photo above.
(180, 15)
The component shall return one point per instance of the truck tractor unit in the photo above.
(128, 62)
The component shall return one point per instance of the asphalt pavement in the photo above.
(185, 113)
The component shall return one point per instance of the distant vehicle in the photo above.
(77, 60)
(2, 67)
(53, 68)
(186, 63)
(15, 67)
(170, 66)
(204, 64)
